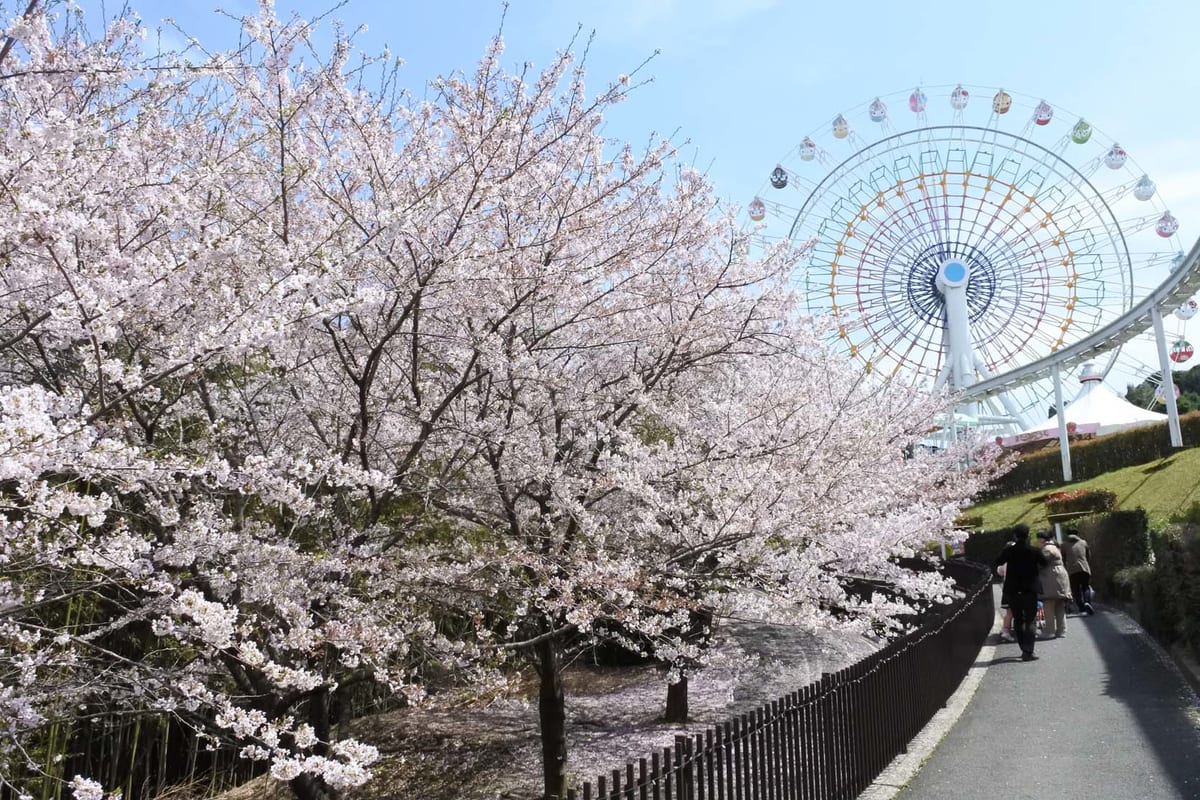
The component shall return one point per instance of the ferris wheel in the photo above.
(956, 233)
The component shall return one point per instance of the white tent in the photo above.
(1096, 404)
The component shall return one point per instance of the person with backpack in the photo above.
(1022, 585)
(1076, 555)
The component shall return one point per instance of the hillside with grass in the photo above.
(1164, 487)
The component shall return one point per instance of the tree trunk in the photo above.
(320, 704)
(552, 719)
(306, 787)
(677, 700)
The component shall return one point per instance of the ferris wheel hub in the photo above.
(952, 275)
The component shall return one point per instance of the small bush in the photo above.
(1189, 516)
(974, 521)
(1131, 582)
(1081, 500)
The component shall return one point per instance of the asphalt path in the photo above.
(1101, 714)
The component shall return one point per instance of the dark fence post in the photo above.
(730, 756)
(791, 790)
(760, 755)
(683, 758)
(670, 767)
(747, 773)
(841, 723)
(816, 751)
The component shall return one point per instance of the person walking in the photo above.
(1076, 554)
(1056, 588)
(1006, 629)
(1022, 583)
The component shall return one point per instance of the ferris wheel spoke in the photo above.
(916, 350)
(915, 338)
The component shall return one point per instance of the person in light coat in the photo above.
(1056, 588)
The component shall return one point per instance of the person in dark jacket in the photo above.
(1006, 635)
(1022, 585)
(1075, 558)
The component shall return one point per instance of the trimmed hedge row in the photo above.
(1094, 457)
(1118, 540)
(1165, 595)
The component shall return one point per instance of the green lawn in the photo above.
(1163, 488)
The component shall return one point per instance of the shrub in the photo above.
(1118, 539)
(1081, 500)
(1189, 516)
(1165, 596)
(1177, 576)
(1132, 583)
(973, 521)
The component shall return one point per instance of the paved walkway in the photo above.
(1101, 714)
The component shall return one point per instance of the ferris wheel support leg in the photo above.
(1064, 445)
(942, 377)
(1005, 400)
(1168, 384)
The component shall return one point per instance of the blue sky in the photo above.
(742, 81)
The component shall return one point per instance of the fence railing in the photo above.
(829, 740)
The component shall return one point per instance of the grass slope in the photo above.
(1164, 488)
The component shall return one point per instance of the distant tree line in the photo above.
(1188, 382)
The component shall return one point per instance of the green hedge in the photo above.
(1165, 596)
(1094, 457)
(984, 546)
(1118, 540)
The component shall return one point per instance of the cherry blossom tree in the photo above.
(168, 546)
(309, 388)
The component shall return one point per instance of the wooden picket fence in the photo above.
(831, 739)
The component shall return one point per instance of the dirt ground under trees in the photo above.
(614, 715)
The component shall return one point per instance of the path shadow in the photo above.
(1159, 699)
(1158, 466)
(1000, 660)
